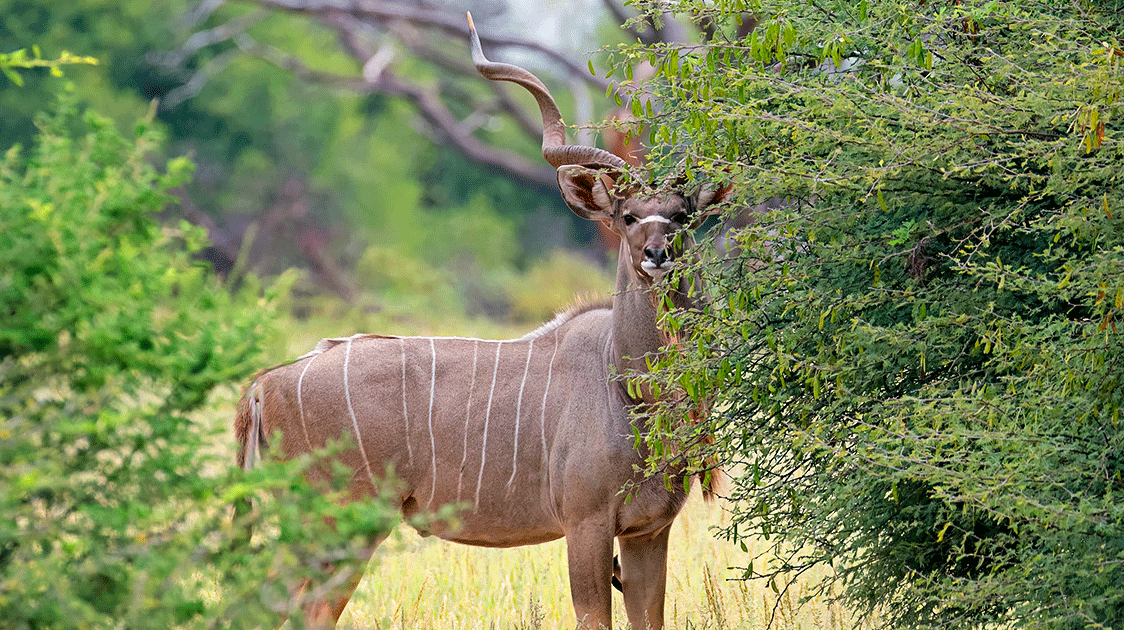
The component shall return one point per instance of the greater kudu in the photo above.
(532, 436)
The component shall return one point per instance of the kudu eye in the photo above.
(629, 219)
(681, 218)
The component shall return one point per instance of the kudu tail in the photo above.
(248, 427)
(711, 480)
(710, 477)
(250, 436)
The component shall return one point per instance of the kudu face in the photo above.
(654, 231)
(655, 228)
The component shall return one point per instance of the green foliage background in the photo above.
(916, 361)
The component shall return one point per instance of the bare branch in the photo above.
(452, 25)
(174, 61)
(201, 12)
(221, 33)
(623, 17)
(356, 23)
(529, 124)
(670, 31)
(430, 107)
(198, 80)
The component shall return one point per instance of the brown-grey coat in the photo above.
(532, 437)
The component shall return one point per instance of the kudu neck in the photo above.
(637, 307)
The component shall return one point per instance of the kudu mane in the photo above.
(560, 317)
(576, 308)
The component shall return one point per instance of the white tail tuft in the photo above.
(254, 436)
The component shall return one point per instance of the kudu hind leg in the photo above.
(644, 579)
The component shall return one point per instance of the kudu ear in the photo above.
(587, 191)
(708, 196)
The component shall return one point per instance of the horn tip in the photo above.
(478, 58)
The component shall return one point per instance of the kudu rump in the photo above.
(533, 436)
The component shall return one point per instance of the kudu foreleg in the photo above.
(589, 551)
(644, 579)
(323, 609)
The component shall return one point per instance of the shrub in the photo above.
(917, 356)
(114, 500)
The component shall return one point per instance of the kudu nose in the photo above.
(657, 255)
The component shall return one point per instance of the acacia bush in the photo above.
(914, 364)
(114, 496)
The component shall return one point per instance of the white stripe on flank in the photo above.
(405, 412)
(432, 443)
(487, 417)
(609, 381)
(300, 401)
(467, 416)
(354, 422)
(518, 412)
(545, 393)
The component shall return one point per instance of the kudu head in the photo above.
(647, 220)
(655, 227)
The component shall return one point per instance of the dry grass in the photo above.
(422, 583)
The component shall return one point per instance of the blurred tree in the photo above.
(305, 173)
(913, 356)
(414, 54)
(319, 132)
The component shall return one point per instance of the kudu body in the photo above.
(532, 436)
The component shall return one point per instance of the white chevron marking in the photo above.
(432, 443)
(487, 418)
(468, 415)
(354, 422)
(518, 412)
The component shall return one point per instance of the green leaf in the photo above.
(12, 75)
